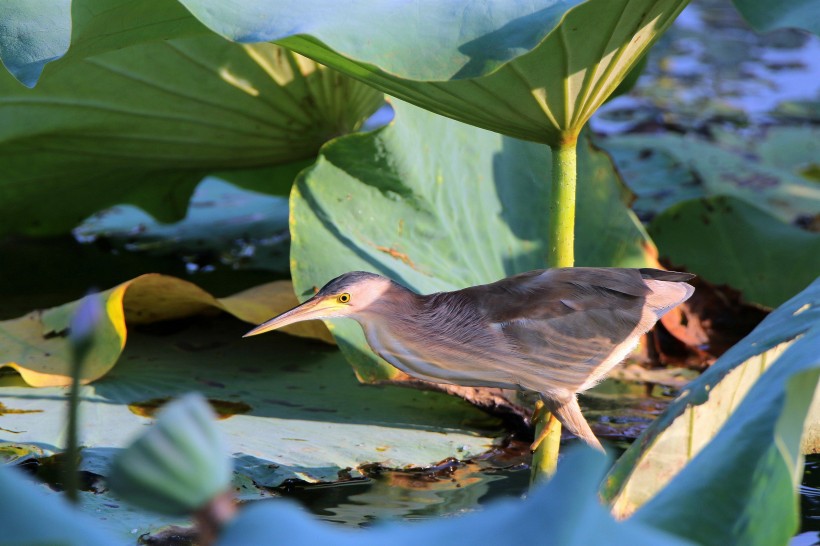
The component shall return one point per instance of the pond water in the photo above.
(448, 489)
(809, 504)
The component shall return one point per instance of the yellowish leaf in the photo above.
(36, 345)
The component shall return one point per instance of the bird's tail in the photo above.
(569, 414)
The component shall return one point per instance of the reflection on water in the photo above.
(809, 504)
(450, 488)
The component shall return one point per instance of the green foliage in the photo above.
(765, 172)
(739, 245)
(148, 100)
(536, 71)
(399, 205)
(143, 125)
(766, 16)
(33, 33)
(740, 488)
(732, 439)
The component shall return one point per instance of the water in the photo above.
(447, 489)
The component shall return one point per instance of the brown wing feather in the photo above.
(570, 322)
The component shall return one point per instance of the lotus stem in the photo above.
(83, 325)
(71, 463)
(561, 236)
(561, 244)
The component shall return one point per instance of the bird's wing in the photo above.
(571, 326)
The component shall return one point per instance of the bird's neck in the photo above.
(395, 301)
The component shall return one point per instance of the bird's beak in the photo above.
(314, 308)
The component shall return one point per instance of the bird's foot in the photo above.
(538, 412)
(546, 431)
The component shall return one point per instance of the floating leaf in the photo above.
(36, 346)
(727, 241)
(290, 408)
(398, 205)
(144, 124)
(666, 169)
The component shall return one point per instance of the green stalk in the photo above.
(561, 253)
(562, 206)
(81, 333)
(71, 480)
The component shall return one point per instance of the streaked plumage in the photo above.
(556, 332)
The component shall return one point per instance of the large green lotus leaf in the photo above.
(727, 241)
(533, 70)
(37, 346)
(766, 16)
(36, 32)
(666, 169)
(730, 427)
(32, 33)
(292, 408)
(144, 124)
(460, 206)
(750, 473)
(565, 511)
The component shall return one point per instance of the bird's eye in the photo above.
(344, 298)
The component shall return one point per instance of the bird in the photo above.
(556, 332)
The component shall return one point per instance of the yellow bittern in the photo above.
(557, 332)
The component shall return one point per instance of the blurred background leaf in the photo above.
(767, 16)
(664, 169)
(727, 241)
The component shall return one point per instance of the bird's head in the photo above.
(344, 296)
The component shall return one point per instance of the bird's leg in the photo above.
(551, 424)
